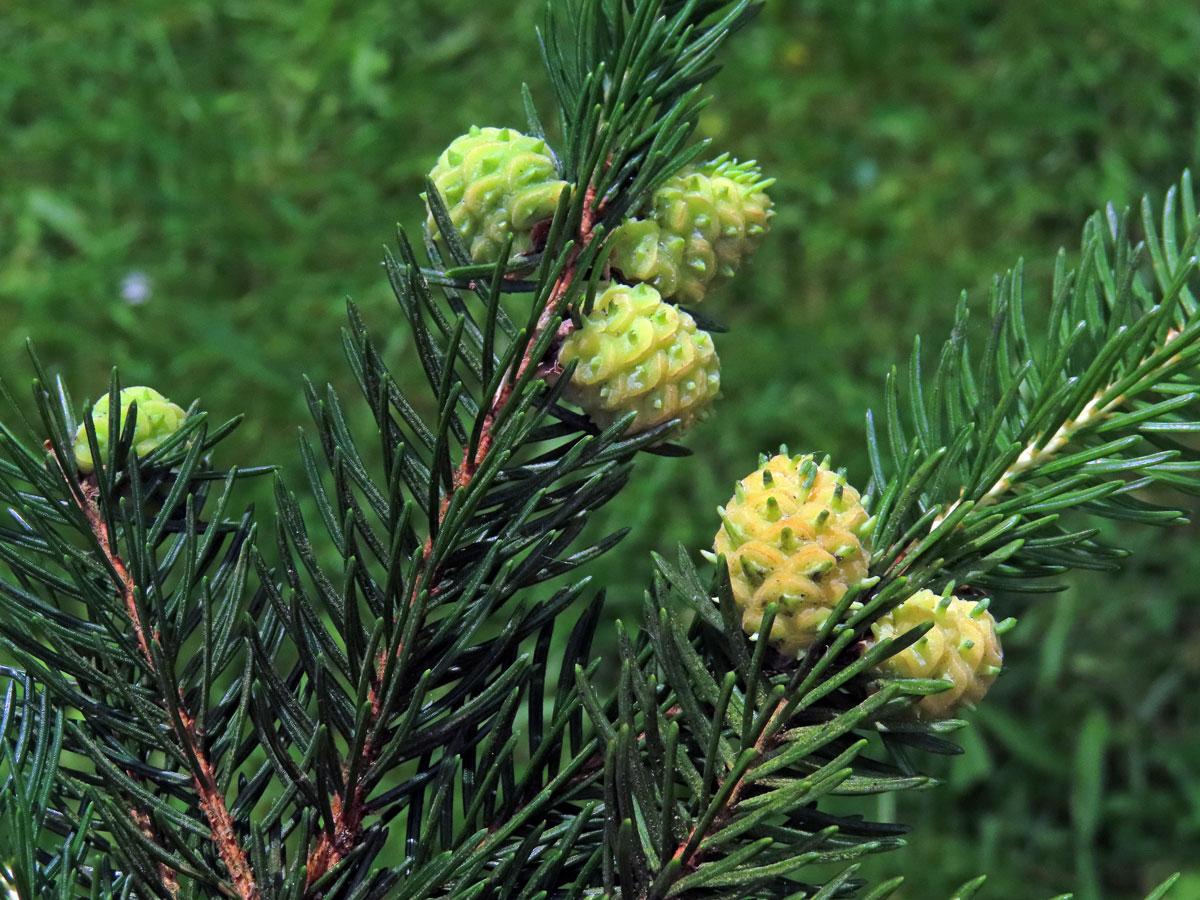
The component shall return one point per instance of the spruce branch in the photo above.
(741, 818)
(187, 733)
(90, 543)
(345, 829)
(505, 411)
(982, 461)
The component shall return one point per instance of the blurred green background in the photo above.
(189, 190)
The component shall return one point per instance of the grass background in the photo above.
(246, 160)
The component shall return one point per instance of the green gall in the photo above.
(697, 229)
(637, 354)
(497, 184)
(157, 419)
(785, 543)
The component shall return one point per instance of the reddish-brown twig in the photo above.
(343, 833)
(212, 801)
(142, 820)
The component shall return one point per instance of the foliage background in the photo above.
(244, 161)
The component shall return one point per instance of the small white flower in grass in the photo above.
(135, 288)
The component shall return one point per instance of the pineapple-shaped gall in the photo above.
(962, 647)
(157, 419)
(638, 354)
(701, 224)
(796, 534)
(496, 182)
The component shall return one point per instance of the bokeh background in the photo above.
(190, 189)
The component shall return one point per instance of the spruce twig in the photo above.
(345, 830)
(187, 733)
(983, 459)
